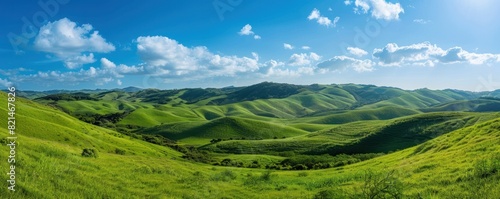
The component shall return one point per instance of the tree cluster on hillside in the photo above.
(303, 162)
(69, 97)
(264, 90)
(107, 120)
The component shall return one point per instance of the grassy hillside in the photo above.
(264, 101)
(477, 105)
(359, 137)
(461, 164)
(224, 128)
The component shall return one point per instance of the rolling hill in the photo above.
(312, 104)
(462, 163)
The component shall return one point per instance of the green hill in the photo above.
(477, 105)
(360, 137)
(463, 163)
(224, 128)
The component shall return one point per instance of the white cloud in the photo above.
(77, 61)
(316, 15)
(394, 55)
(119, 82)
(427, 54)
(303, 59)
(121, 69)
(288, 46)
(246, 30)
(340, 63)
(68, 42)
(306, 47)
(277, 69)
(357, 51)
(108, 72)
(380, 9)
(347, 2)
(93, 75)
(5, 83)
(166, 57)
(421, 21)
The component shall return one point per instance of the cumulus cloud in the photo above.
(278, 69)
(380, 9)
(306, 47)
(71, 43)
(357, 51)
(325, 21)
(247, 30)
(428, 54)
(96, 76)
(340, 63)
(303, 59)
(347, 2)
(108, 72)
(119, 70)
(77, 61)
(288, 46)
(166, 57)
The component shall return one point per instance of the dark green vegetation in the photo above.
(263, 141)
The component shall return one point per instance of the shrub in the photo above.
(300, 167)
(90, 153)
(266, 175)
(119, 151)
(254, 164)
(486, 168)
(303, 174)
(329, 194)
(381, 185)
(225, 175)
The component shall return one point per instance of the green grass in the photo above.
(341, 117)
(50, 165)
(434, 155)
(224, 128)
(371, 136)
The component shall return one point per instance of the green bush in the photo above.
(266, 175)
(303, 174)
(90, 153)
(225, 175)
(329, 194)
(119, 151)
(485, 168)
(379, 185)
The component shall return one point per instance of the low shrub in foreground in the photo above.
(92, 153)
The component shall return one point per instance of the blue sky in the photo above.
(69, 44)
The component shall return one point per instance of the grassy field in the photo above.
(446, 154)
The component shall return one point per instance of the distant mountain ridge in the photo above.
(269, 90)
